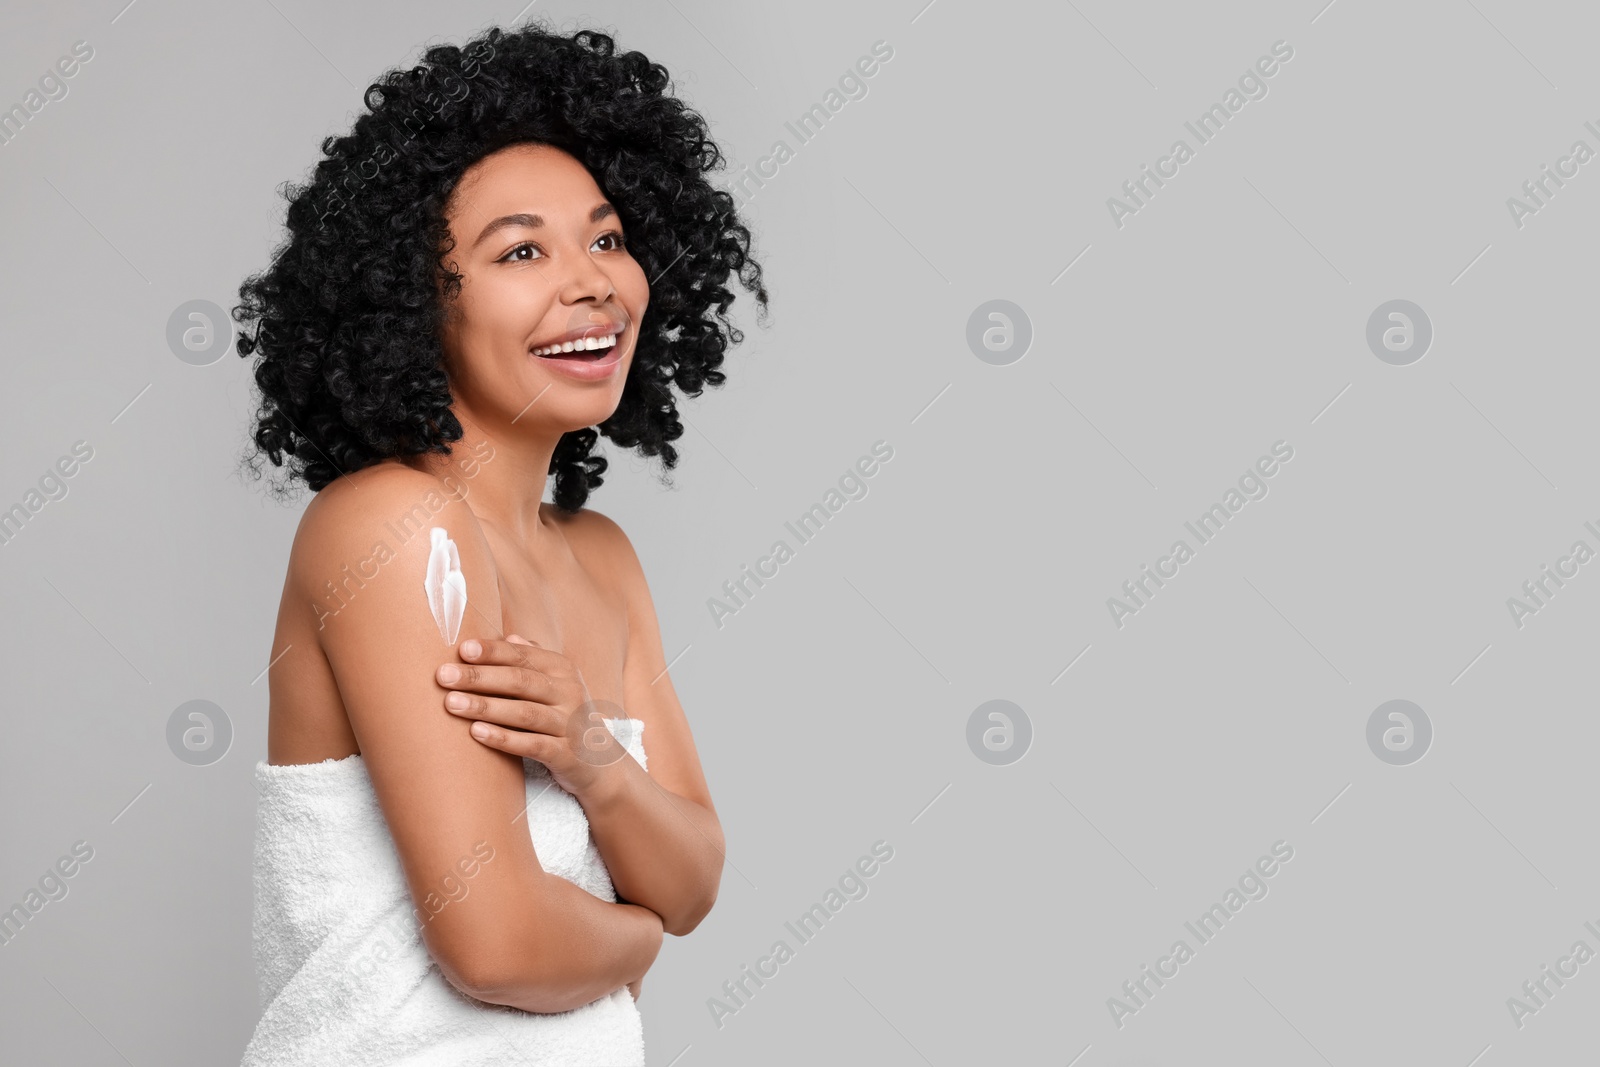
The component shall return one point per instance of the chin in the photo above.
(575, 409)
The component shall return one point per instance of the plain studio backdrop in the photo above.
(1072, 364)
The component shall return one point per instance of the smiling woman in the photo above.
(540, 263)
(525, 269)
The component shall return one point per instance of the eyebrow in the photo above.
(523, 218)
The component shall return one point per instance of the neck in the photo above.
(503, 477)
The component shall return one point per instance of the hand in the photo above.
(533, 702)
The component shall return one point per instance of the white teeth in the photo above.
(588, 344)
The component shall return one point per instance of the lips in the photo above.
(605, 348)
(590, 365)
(581, 343)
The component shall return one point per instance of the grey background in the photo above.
(832, 711)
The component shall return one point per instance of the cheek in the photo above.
(500, 317)
(634, 288)
(485, 344)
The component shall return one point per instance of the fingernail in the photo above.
(471, 649)
(479, 730)
(449, 673)
(456, 700)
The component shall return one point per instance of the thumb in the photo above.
(520, 640)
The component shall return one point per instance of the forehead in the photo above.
(535, 178)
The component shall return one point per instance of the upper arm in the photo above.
(449, 800)
(647, 687)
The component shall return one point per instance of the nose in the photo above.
(585, 281)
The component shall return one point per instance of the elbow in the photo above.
(475, 976)
(533, 982)
(682, 926)
(526, 987)
(684, 922)
(516, 962)
(494, 975)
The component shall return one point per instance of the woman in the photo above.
(518, 244)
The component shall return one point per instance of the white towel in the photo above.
(345, 979)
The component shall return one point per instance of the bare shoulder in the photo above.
(376, 491)
(591, 524)
(597, 535)
(371, 516)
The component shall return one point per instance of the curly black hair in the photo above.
(347, 317)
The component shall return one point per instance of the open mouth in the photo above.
(589, 349)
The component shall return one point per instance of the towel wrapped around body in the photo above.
(344, 977)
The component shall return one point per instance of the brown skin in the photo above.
(359, 672)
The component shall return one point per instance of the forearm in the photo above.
(663, 851)
(574, 949)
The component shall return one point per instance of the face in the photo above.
(543, 261)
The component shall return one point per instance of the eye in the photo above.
(620, 241)
(512, 257)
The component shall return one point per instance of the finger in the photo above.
(524, 715)
(490, 650)
(540, 747)
(519, 639)
(524, 683)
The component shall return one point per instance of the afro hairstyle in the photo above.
(345, 321)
